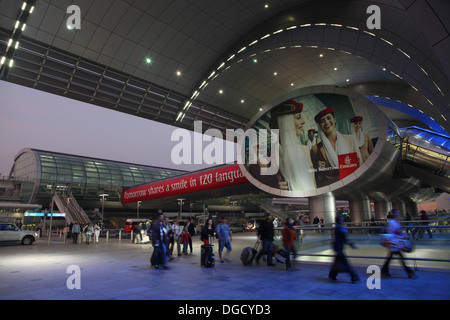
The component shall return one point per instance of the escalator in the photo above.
(425, 156)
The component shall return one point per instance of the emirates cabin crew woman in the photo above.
(363, 140)
(324, 155)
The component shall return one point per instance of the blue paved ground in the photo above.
(121, 270)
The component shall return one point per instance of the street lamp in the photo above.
(180, 202)
(103, 195)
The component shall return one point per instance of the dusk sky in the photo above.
(36, 119)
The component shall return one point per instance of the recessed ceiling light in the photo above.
(242, 100)
(321, 55)
(148, 60)
(178, 73)
(220, 91)
(384, 69)
(347, 80)
(292, 84)
(255, 60)
(335, 69)
(266, 5)
(275, 73)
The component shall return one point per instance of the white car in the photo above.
(11, 233)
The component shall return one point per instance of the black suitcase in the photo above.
(207, 259)
(249, 254)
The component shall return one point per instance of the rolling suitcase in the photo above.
(249, 254)
(207, 259)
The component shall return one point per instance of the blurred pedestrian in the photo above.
(75, 232)
(190, 227)
(159, 256)
(88, 229)
(265, 234)
(168, 237)
(185, 237)
(289, 236)
(224, 235)
(40, 227)
(393, 230)
(176, 228)
(97, 229)
(424, 222)
(340, 262)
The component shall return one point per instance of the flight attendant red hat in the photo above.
(289, 107)
(356, 119)
(323, 113)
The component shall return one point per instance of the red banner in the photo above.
(212, 179)
(348, 163)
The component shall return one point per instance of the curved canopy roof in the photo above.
(220, 61)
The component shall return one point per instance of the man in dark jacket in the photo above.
(340, 263)
(265, 234)
(159, 256)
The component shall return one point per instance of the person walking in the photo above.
(190, 227)
(224, 235)
(159, 256)
(340, 262)
(207, 232)
(89, 229)
(424, 222)
(185, 237)
(393, 229)
(75, 232)
(97, 229)
(288, 238)
(176, 228)
(40, 227)
(168, 232)
(265, 234)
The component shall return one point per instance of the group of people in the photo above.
(315, 163)
(419, 232)
(165, 236)
(162, 251)
(341, 264)
(87, 231)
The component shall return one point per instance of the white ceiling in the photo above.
(195, 36)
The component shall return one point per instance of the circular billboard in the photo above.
(309, 142)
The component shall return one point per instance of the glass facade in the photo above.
(85, 177)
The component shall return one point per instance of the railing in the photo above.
(71, 208)
(314, 241)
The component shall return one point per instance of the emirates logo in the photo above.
(347, 160)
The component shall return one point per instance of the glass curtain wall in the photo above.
(85, 177)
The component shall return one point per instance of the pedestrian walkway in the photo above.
(121, 270)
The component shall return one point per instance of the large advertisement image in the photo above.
(322, 138)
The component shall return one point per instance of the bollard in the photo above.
(120, 235)
(107, 235)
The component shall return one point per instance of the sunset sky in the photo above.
(36, 119)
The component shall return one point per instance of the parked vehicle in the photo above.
(11, 233)
(131, 224)
(236, 227)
